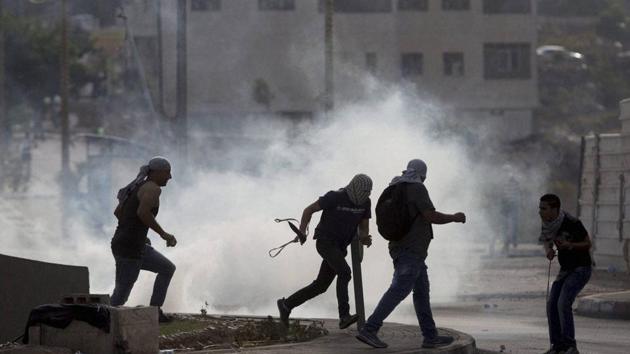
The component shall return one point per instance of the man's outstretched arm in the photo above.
(435, 217)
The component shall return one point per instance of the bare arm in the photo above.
(435, 217)
(150, 199)
(549, 249)
(578, 246)
(364, 232)
(307, 214)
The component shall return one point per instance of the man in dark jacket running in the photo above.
(409, 253)
(136, 211)
(343, 211)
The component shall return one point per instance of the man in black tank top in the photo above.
(138, 206)
(567, 234)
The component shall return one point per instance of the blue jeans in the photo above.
(410, 273)
(559, 306)
(128, 269)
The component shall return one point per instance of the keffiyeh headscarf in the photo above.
(416, 172)
(359, 189)
(157, 163)
(550, 229)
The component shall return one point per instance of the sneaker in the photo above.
(571, 350)
(284, 312)
(438, 341)
(162, 318)
(347, 321)
(370, 339)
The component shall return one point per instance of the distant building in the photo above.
(476, 57)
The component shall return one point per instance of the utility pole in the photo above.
(328, 65)
(160, 59)
(65, 129)
(4, 121)
(181, 121)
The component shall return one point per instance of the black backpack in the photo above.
(392, 213)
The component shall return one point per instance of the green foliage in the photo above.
(33, 59)
(572, 7)
(613, 23)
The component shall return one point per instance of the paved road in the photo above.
(504, 304)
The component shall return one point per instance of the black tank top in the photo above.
(131, 233)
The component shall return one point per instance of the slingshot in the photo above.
(300, 237)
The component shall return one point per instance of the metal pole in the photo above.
(181, 123)
(580, 176)
(622, 205)
(160, 57)
(328, 65)
(65, 131)
(356, 249)
(4, 121)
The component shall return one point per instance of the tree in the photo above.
(32, 60)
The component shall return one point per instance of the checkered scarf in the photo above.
(550, 229)
(359, 189)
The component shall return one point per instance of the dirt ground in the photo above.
(196, 332)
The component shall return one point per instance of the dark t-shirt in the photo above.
(573, 230)
(340, 217)
(419, 237)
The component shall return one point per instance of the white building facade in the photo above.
(475, 57)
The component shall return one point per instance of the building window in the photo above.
(359, 6)
(507, 60)
(276, 5)
(413, 5)
(455, 5)
(205, 5)
(370, 62)
(507, 6)
(453, 64)
(411, 65)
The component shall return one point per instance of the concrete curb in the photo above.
(401, 339)
(607, 305)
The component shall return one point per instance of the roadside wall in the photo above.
(26, 283)
(604, 199)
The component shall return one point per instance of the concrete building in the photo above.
(474, 57)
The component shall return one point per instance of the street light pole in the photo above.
(4, 121)
(181, 122)
(65, 129)
(328, 65)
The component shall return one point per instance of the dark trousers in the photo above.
(410, 274)
(563, 292)
(128, 269)
(333, 264)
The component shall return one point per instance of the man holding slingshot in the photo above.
(570, 238)
(343, 211)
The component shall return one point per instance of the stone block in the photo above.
(132, 330)
(86, 299)
(36, 349)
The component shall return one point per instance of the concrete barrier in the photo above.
(133, 330)
(26, 283)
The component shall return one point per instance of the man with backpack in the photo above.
(404, 215)
(343, 211)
